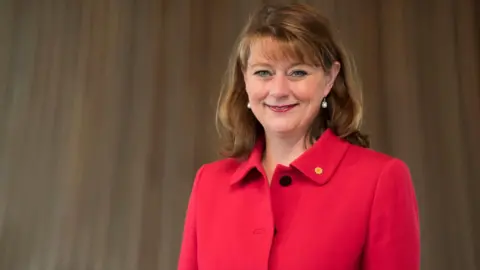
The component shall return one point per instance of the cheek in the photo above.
(256, 90)
(308, 92)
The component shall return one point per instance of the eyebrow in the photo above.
(269, 65)
(258, 64)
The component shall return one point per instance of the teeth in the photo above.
(280, 108)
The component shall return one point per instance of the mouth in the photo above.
(281, 108)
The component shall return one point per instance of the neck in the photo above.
(282, 150)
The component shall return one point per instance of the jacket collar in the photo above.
(318, 163)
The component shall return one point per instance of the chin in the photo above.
(280, 129)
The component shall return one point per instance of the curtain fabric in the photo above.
(107, 110)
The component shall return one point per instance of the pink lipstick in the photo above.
(282, 108)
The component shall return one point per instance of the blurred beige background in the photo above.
(107, 110)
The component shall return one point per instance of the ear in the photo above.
(331, 76)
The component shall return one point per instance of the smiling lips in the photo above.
(283, 108)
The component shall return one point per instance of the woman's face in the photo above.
(285, 96)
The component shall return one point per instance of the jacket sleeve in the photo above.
(393, 240)
(188, 251)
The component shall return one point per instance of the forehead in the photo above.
(270, 50)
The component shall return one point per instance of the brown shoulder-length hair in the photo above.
(304, 35)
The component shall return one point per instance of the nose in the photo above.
(279, 86)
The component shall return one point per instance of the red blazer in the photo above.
(337, 207)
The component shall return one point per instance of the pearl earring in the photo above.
(248, 105)
(324, 103)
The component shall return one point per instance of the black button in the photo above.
(285, 181)
(274, 231)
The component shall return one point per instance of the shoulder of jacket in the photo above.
(374, 160)
(225, 165)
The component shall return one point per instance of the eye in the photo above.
(263, 73)
(298, 73)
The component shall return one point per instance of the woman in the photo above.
(299, 189)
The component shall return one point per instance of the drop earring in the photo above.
(324, 103)
(248, 105)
